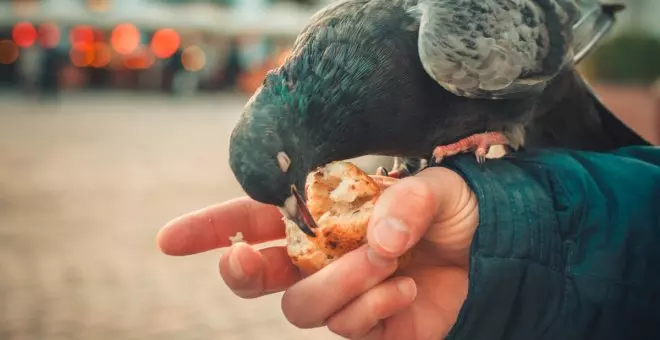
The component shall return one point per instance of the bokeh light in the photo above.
(9, 52)
(125, 38)
(140, 59)
(165, 42)
(99, 35)
(96, 55)
(49, 35)
(24, 34)
(82, 34)
(193, 58)
(102, 55)
(116, 62)
(82, 54)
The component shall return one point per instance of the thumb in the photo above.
(405, 210)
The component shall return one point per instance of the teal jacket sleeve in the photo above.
(568, 246)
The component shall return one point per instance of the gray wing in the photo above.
(504, 48)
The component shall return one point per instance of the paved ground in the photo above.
(84, 187)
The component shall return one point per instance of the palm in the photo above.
(441, 291)
(441, 277)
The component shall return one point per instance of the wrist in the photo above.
(513, 250)
(456, 218)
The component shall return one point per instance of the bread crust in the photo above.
(340, 198)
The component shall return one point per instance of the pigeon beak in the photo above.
(302, 217)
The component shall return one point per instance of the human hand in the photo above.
(361, 295)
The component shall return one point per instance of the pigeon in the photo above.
(420, 80)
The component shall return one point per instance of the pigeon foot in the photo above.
(399, 170)
(401, 173)
(480, 143)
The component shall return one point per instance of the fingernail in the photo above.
(378, 260)
(234, 263)
(391, 235)
(407, 288)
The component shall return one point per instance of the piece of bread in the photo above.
(340, 198)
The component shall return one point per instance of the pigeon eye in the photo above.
(283, 161)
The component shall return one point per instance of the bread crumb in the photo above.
(236, 238)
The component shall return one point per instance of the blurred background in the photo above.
(114, 119)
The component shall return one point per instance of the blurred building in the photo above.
(178, 46)
(184, 46)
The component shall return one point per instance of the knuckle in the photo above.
(364, 314)
(378, 304)
(417, 192)
(244, 290)
(297, 313)
(339, 328)
(293, 318)
(342, 328)
(291, 312)
(355, 274)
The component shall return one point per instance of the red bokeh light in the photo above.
(49, 35)
(81, 54)
(82, 34)
(141, 59)
(95, 55)
(9, 52)
(24, 34)
(165, 42)
(99, 36)
(102, 55)
(125, 38)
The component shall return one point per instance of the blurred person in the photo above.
(49, 74)
(545, 245)
(213, 56)
(185, 83)
(30, 67)
(233, 67)
(172, 67)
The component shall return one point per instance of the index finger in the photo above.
(211, 227)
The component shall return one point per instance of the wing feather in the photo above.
(505, 48)
(476, 46)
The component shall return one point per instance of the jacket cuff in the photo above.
(516, 257)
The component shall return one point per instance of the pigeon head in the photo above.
(325, 103)
(266, 160)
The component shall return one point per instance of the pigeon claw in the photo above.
(480, 153)
(397, 172)
(381, 171)
(479, 143)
